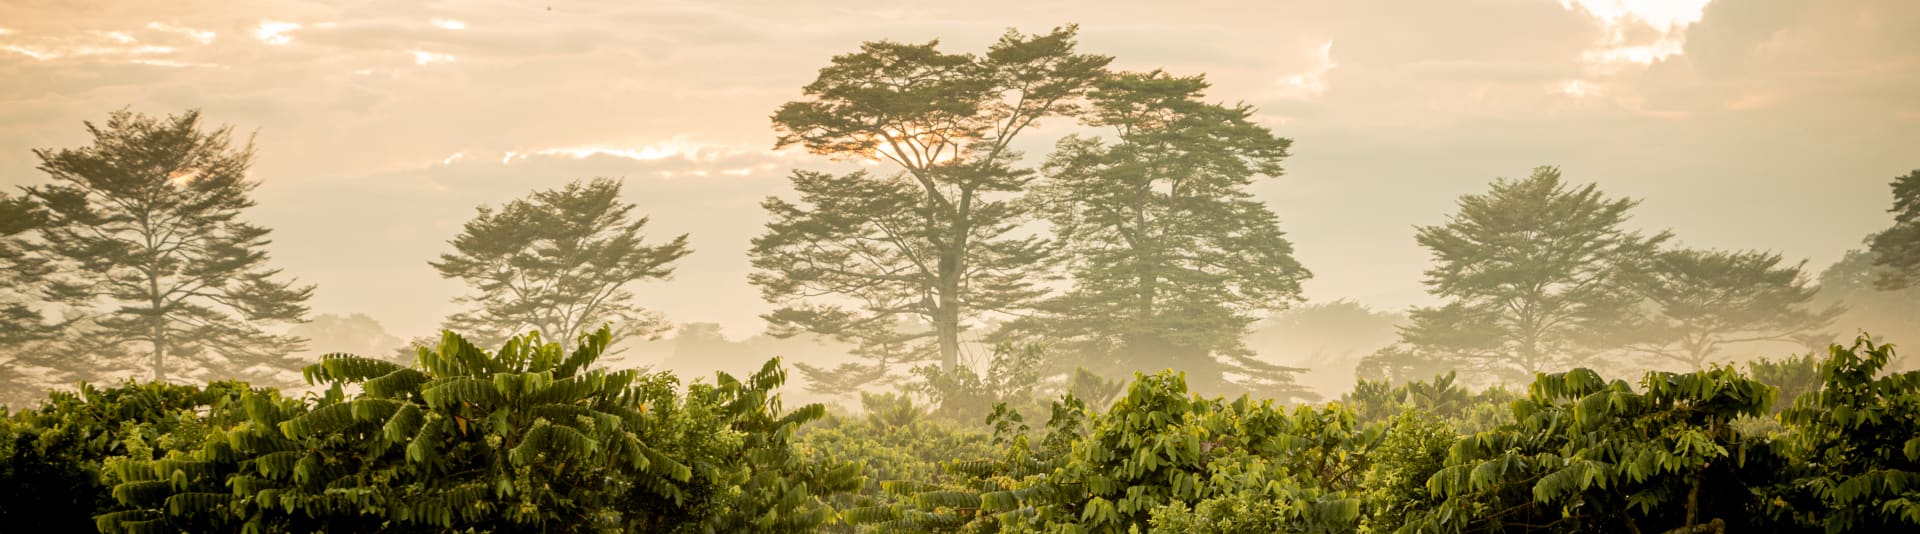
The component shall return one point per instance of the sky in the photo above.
(380, 126)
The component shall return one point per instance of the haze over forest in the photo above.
(1771, 126)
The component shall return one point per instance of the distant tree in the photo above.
(1171, 257)
(559, 262)
(1898, 248)
(1327, 338)
(1703, 300)
(22, 286)
(939, 242)
(1535, 275)
(145, 225)
(1851, 284)
(351, 334)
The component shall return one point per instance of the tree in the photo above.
(1535, 274)
(558, 262)
(1851, 283)
(1703, 300)
(937, 243)
(1172, 258)
(23, 328)
(352, 334)
(1898, 248)
(145, 224)
(1328, 338)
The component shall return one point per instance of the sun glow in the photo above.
(275, 32)
(932, 147)
(1667, 19)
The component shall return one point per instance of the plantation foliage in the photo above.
(533, 437)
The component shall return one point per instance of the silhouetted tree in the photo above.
(22, 287)
(1851, 283)
(1535, 275)
(559, 262)
(1171, 256)
(1898, 248)
(351, 334)
(1327, 338)
(1702, 300)
(937, 243)
(145, 224)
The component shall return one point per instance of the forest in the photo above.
(993, 326)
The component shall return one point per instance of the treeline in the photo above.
(532, 437)
(1133, 243)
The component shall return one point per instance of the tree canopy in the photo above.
(1170, 255)
(560, 262)
(1535, 275)
(902, 263)
(145, 225)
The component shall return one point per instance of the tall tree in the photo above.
(1898, 248)
(1172, 258)
(1704, 300)
(866, 257)
(1536, 275)
(559, 262)
(146, 225)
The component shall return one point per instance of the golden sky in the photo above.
(1769, 124)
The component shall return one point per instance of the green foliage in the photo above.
(1395, 483)
(534, 438)
(1857, 444)
(528, 438)
(558, 262)
(1585, 454)
(51, 455)
(1793, 376)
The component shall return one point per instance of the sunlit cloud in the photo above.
(457, 156)
(647, 153)
(1313, 82)
(449, 24)
(421, 57)
(1627, 23)
(37, 55)
(1578, 88)
(170, 63)
(204, 37)
(4, 31)
(119, 37)
(275, 32)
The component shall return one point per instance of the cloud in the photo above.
(1663, 22)
(275, 32)
(449, 24)
(1313, 82)
(421, 57)
(201, 36)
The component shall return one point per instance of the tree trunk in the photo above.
(946, 314)
(159, 332)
